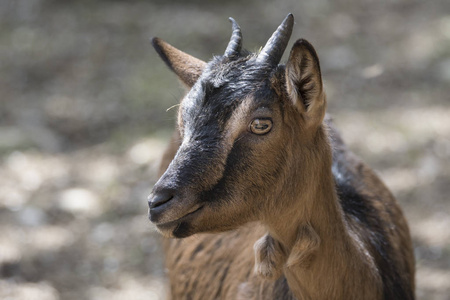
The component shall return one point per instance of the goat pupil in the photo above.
(260, 126)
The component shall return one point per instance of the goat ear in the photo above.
(304, 82)
(187, 68)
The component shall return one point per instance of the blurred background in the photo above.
(83, 122)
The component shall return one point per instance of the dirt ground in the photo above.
(83, 122)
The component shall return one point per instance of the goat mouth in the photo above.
(166, 226)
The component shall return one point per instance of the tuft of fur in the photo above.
(305, 248)
(269, 258)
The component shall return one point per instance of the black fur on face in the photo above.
(206, 110)
(221, 88)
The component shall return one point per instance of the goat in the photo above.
(264, 198)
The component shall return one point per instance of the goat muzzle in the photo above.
(167, 208)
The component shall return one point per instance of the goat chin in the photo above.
(169, 229)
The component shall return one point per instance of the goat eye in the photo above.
(260, 126)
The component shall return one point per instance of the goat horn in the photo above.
(235, 44)
(275, 46)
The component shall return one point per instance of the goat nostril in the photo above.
(159, 199)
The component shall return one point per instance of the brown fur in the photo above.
(304, 243)
(199, 263)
